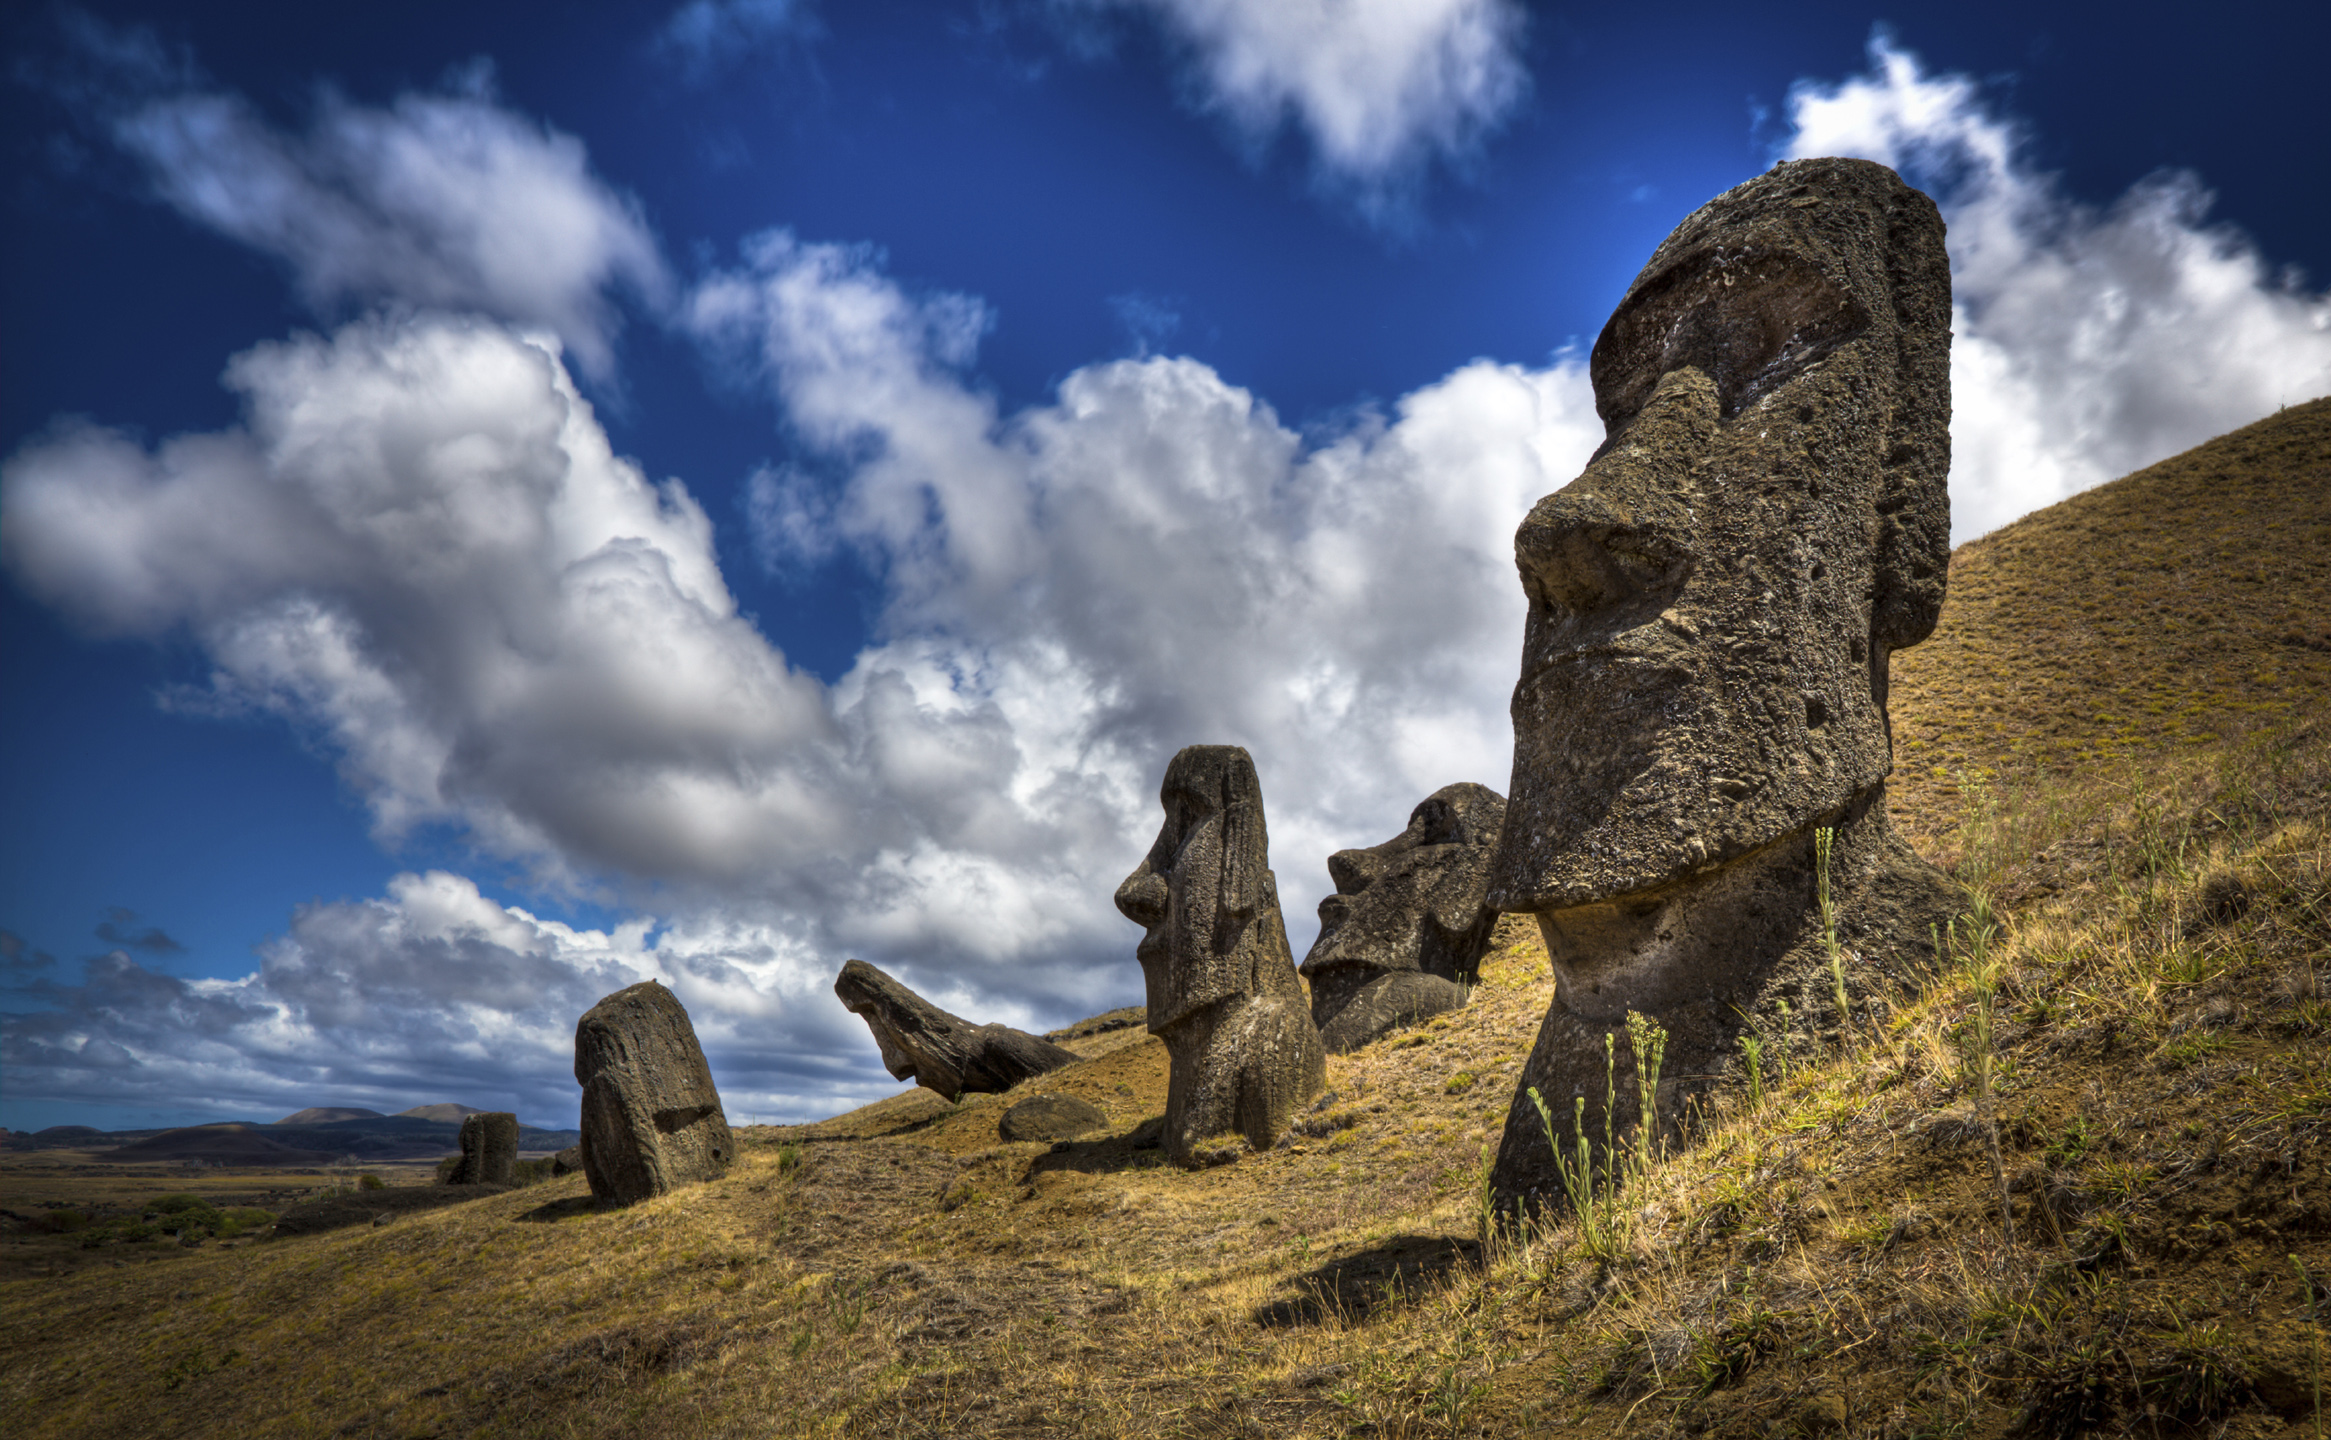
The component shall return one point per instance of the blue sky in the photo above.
(498, 506)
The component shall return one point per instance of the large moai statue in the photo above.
(1402, 937)
(937, 1050)
(652, 1120)
(1223, 992)
(1711, 609)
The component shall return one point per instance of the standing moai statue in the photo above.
(1711, 608)
(652, 1120)
(489, 1149)
(1402, 938)
(1223, 992)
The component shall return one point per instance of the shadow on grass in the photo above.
(568, 1209)
(1137, 1149)
(1354, 1285)
(376, 1207)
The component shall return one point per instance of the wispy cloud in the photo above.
(705, 36)
(2089, 342)
(120, 927)
(1380, 88)
(442, 199)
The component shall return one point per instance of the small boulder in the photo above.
(652, 1120)
(1050, 1117)
(489, 1149)
(567, 1161)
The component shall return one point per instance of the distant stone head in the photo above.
(1404, 932)
(1222, 987)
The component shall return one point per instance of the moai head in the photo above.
(1712, 603)
(1415, 901)
(1206, 882)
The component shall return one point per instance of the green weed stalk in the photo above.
(1594, 1199)
(1824, 847)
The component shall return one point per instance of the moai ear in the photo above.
(1246, 851)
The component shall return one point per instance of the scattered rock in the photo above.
(1403, 935)
(938, 1051)
(567, 1161)
(1712, 605)
(489, 1149)
(651, 1117)
(1242, 1051)
(1051, 1117)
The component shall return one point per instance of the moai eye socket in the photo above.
(1750, 319)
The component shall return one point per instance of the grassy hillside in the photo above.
(2079, 1186)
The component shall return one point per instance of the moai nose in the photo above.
(1577, 553)
(1143, 898)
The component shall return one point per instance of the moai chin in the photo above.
(1223, 993)
(1403, 935)
(1711, 609)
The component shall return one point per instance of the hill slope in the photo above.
(2161, 611)
(2056, 1195)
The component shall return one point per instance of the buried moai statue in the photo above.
(1403, 935)
(1703, 682)
(938, 1051)
(489, 1149)
(652, 1120)
(1243, 1053)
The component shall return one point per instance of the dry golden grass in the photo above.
(1837, 1259)
(2164, 610)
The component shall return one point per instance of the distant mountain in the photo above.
(217, 1145)
(378, 1138)
(443, 1110)
(326, 1114)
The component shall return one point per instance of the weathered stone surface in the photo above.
(1242, 1051)
(652, 1120)
(938, 1051)
(1050, 1117)
(567, 1161)
(1711, 609)
(489, 1149)
(1403, 935)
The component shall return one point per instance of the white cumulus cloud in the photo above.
(433, 992)
(2088, 343)
(1380, 87)
(419, 547)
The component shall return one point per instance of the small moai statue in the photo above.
(1223, 993)
(489, 1149)
(652, 1120)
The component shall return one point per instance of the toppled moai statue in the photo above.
(938, 1051)
(652, 1120)
(1711, 608)
(1402, 937)
(489, 1149)
(1243, 1053)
